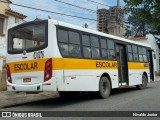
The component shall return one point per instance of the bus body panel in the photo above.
(68, 74)
(135, 76)
(31, 65)
(76, 80)
(50, 85)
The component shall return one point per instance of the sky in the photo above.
(55, 6)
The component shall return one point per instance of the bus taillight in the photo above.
(48, 70)
(9, 78)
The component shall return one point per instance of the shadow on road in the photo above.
(122, 90)
(118, 91)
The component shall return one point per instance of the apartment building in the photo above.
(111, 20)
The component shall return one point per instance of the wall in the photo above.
(2, 46)
(3, 7)
(9, 22)
(3, 41)
(12, 21)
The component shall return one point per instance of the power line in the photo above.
(98, 3)
(50, 6)
(76, 6)
(49, 11)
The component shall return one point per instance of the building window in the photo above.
(1, 25)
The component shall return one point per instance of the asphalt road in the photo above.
(128, 99)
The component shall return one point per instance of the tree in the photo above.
(144, 15)
(136, 25)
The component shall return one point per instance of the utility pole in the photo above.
(118, 3)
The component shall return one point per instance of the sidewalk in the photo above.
(12, 98)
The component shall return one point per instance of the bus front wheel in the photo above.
(144, 83)
(104, 88)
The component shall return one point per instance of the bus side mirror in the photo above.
(154, 55)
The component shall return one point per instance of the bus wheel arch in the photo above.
(109, 78)
(104, 86)
(145, 74)
(144, 82)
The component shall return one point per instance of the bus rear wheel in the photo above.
(104, 88)
(144, 83)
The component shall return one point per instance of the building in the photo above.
(154, 43)
(111, 20)
(8, 18)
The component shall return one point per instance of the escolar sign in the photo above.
(26, 66)
(106, 65)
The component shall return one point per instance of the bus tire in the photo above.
(104, 88)
(67, 94)
(144, 83)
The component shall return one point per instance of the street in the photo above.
(127, 99)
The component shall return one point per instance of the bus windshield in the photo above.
(28, 37)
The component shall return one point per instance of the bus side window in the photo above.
(69, 43)
(62, 36)
(130, 54)
(95, 52)
(135, 53)
(95, 47)
(74, 50)
(111, 49)
(87, 52)
(140, 54)
(86, 46)
(74, 44)
(64, 49)
(63, 42)
(144, 54)
(104, 48)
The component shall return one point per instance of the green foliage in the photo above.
(143, 13)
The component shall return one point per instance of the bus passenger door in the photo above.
(151, 66)
(122, 64)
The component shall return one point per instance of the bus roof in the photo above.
(56, 22)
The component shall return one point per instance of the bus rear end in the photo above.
(29, 64)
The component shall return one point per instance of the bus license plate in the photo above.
(26, 80)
